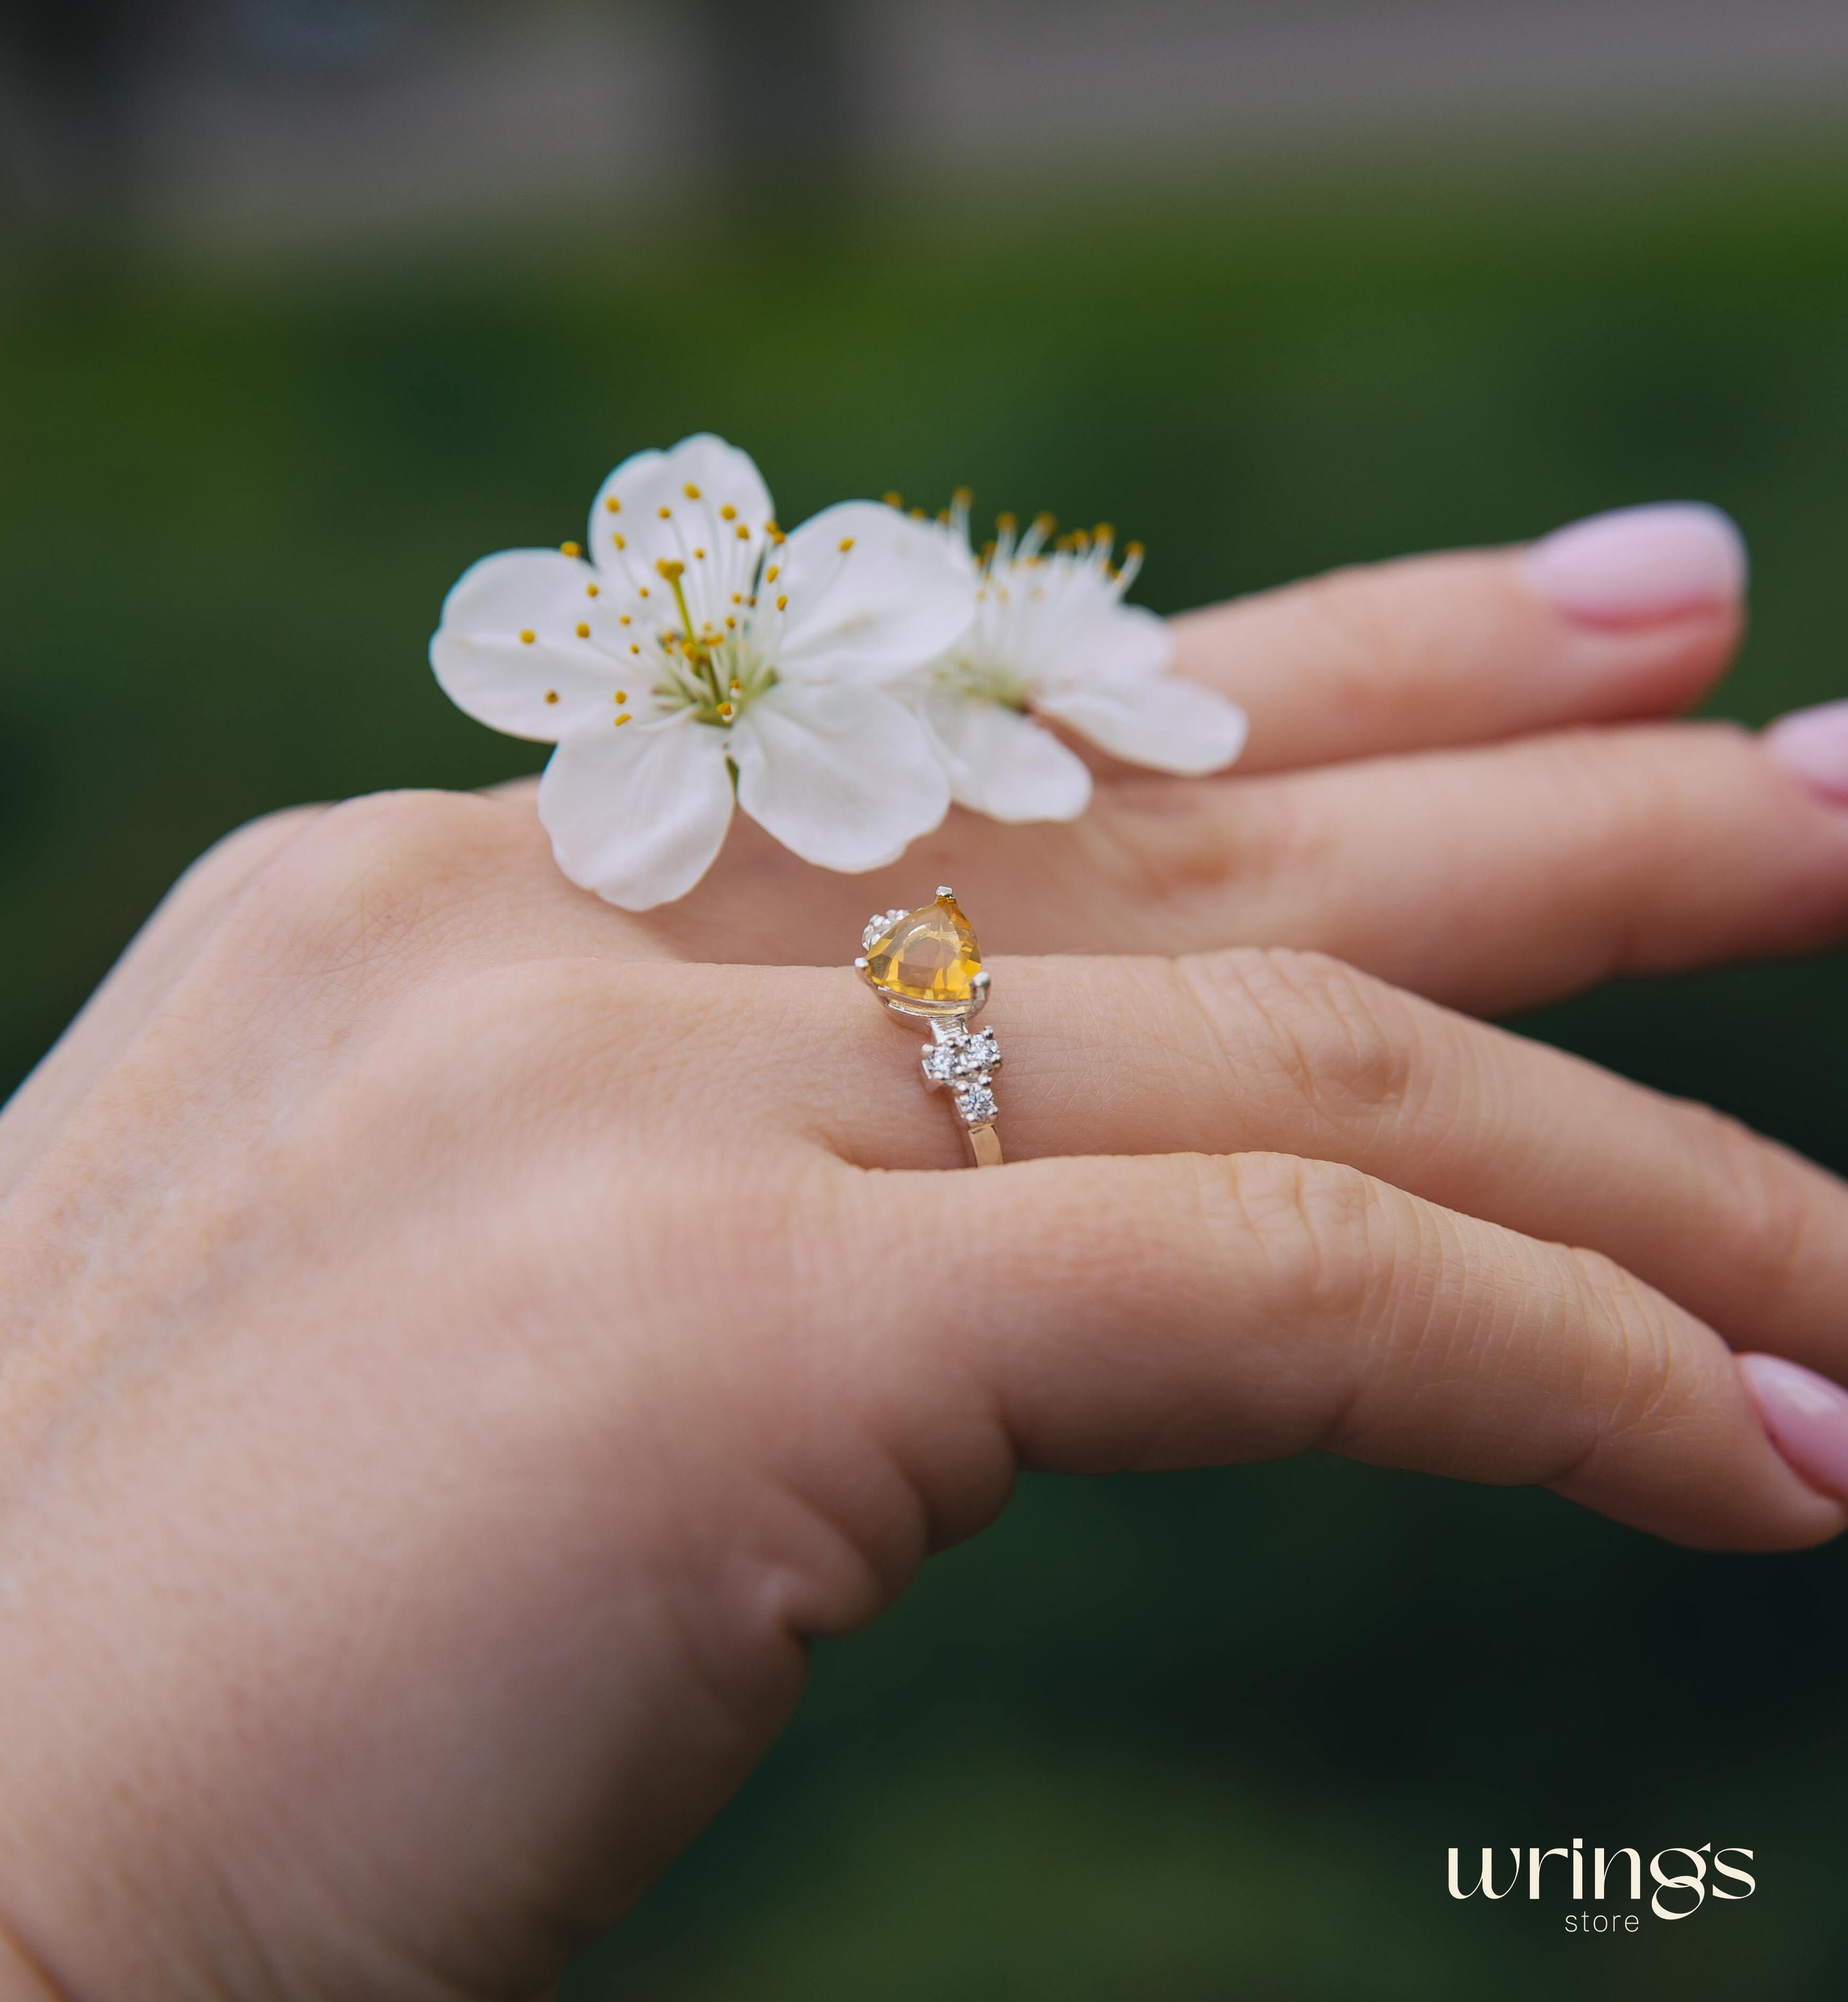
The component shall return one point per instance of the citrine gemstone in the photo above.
(928, 955)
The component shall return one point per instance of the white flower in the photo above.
(696, 645)
(1051, 637)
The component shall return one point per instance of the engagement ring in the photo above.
(926, 964)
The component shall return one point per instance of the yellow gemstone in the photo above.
(930, 955)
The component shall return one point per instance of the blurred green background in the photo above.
(1151, 1739)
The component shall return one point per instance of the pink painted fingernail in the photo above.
(1807, 1417)
(1813, 743)
(1641, 563)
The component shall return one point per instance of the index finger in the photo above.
(1628, 616)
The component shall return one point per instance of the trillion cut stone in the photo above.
(929, 955)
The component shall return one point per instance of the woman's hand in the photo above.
(460, 1347)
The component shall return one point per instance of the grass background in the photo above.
(1152, 1739)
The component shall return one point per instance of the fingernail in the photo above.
(1813, 743)
(1807, 1417)
(1641, 563)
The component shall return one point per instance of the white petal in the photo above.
(1087, 634)
(638, 813)
(487, 668)
(843, 775)
(1163, 720)
(897, 594)
(1002, 764)
(627, 541)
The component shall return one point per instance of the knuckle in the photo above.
(554, 1042)
(367, 875)
(1627, 1344)
(1317, 1225)
(1161, 854)
(1330, 1040)
(257, 838)
(1645, 792)
(229, 863)
(1770, 1210)
(1349, 627)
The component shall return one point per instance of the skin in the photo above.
(464, 1342)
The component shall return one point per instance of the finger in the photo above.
(1491, 879)
(1181, 1310)
(1250, 1051)
(1631, 615)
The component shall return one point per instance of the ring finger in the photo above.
(1265, 1052)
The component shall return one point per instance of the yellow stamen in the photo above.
(743, 533)
(619, 541)
(552, 695)
(690, 491)
(593, 590)
(666, 514)
(728, 513)
(893, 500)
(571, 550)
(773, 572)
(783, 605)
(622, 719)
(584, 631)
(670, 567)
(621, 695)
(527, 635)
(613, 504)
(699, 555)
(846, 544)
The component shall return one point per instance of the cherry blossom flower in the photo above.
(1052, 637)
(690, 653)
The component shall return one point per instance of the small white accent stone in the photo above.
(959, 1054)
(976, 1103)
(966, 1061)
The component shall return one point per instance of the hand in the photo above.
(460, 1351)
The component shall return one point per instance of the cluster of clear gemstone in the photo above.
(966, 1060)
